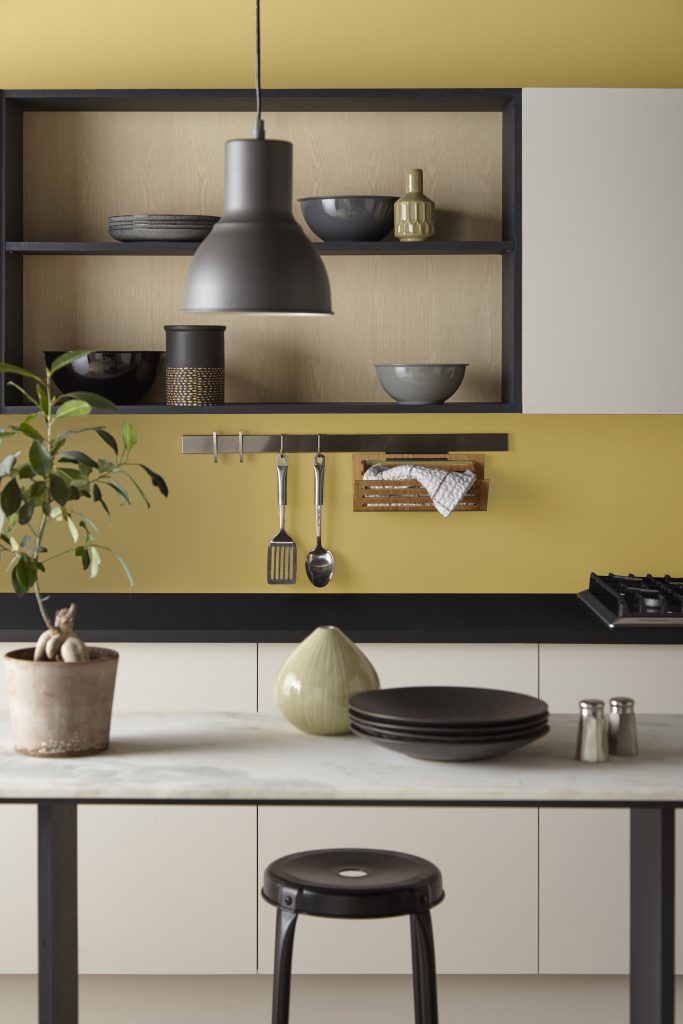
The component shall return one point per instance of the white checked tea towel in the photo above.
(446, 487)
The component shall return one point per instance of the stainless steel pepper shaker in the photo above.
(623, 737)
(591, 744)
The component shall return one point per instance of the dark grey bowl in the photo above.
(122, 377)
(349, 218)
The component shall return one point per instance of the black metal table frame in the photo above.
(652, 971)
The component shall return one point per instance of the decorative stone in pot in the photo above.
(61, 708)
(313, 686)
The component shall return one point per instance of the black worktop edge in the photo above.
(370, 618)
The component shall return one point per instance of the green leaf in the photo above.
(7, 432)
(25, 572)
(79, 457)
(26, 472)
(17, 387)
(10, 499)
(126, 570)
(43, 401)
(59, 489)
(26, 512)
(66, 358)
(129, 435)
(98, 401)
(123, 495)
(73, 407)
(82, 553)
(17, 585)
(136, 485)
(95, 562)
(108, 439)
(30, 431)
(7, 463)
(39, 459)
(11, 368)
(73, 529)
(97, 496)
(157, 481)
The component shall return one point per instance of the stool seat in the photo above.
(353, 883)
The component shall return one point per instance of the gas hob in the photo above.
(635, 600)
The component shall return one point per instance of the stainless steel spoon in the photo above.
(319, 561)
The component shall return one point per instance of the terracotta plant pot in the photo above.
(61, 709)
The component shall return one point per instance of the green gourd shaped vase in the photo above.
(313, 686)
(414, 211)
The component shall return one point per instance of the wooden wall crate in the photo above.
(408, 495)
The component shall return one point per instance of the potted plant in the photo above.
(61, 691)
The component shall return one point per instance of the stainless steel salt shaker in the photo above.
(591, 744)
(623, 737)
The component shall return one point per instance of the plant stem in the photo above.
(43, 522)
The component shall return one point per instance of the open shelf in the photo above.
(158, 150)
(388, 248)
(254, 408)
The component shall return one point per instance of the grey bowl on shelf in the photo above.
(122, 377)
(420, 383)
(160, 227)
(349, 218)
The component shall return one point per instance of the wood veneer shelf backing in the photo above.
(81, 167)
(409, 495)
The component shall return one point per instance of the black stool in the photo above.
(355, 883)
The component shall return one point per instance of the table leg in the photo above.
(57, 913)
(652, 915)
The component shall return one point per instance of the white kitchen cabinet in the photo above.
(167, 890)
(501, 666)
(154, 895)
(171, 870)
(18, 896)
(602, 222)
(584, 854)
(487, 923)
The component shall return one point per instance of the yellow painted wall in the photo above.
(573, 494)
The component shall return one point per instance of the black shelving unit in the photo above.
(14, 248)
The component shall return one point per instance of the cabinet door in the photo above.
(501, 666)
(18, 874)
(602, 222)
(584, 854)
(176, 874)
(487, 923)
(167, 890)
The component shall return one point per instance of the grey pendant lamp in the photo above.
(256, 259)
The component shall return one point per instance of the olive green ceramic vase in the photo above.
(313, 686)
(414, 211)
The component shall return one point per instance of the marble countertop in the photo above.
(261, 758)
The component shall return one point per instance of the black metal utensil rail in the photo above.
(258, 444)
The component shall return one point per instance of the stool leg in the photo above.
(418, 970)
(282, 974)
(424, 969)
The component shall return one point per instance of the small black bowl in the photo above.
(122, 377)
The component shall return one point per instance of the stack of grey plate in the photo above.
(448, 723)
(160, 227)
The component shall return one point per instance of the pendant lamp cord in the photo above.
(259, 130)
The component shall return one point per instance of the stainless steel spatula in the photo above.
(282, 549)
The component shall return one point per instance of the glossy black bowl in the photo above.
(122, 377)
(349, 218)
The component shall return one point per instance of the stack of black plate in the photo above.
(448, 723)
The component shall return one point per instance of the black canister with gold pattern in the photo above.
(195, 364)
